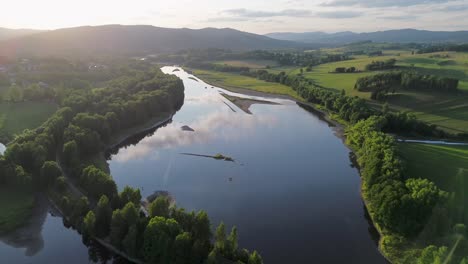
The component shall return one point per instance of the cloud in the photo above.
(383, 3)
(246, 13)
(401, 17)
(453, 8)
(339, 14)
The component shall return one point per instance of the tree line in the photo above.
(381, 65)
(383, 83)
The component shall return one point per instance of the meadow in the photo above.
(236, 81)
(15, 117)
(439, 163)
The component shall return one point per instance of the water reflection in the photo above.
(29, 237)
(2, 149)
(224, 125)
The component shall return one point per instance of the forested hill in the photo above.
(395, 36)
(6, 33)
(129, 40)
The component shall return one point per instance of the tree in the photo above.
(255, 258)
(89, 224)
(118, 229)
(50, 171)
(212, 259)
(129, 243)
(432, 255)
(183, 247)
(103, 217)
(159, 240)
(232, 240)
(61, 184)
(159, 207)
(70, 154)
(14, 93)
(129, 195)
(220, 238)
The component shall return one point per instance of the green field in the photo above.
(253, 64)
(448, 111)
(229, 80)
(439, 163)
(15, 208)
(15, 117)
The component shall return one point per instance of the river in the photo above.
(291, 191)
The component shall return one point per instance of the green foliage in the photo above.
(381, 65)
(103, 217)
(159, 239)
(61, 184)
(128, 195)
(433, 255)
(50, 171)
(255, 258)
(159, 207)
(98, 183)
(130, 242)
(89, 224)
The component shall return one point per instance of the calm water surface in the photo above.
(291, 190)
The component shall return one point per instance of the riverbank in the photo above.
(257, 87)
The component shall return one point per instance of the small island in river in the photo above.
(245, 103)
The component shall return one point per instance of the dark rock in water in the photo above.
(175, 70)
(187, 128)
(193, 78)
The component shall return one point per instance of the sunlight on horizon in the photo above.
(252, 16)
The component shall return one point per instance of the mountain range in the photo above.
(134, 40)
(6, 33)
(143, 40)
(392, 36)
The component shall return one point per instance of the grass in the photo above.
(448, 111)
(15, 207)
(439, 163)
(253, 64)
(15, 117)
(229, 80)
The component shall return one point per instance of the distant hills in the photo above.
(393, 36)
(143, 40)
(6, 33)
(133, 40)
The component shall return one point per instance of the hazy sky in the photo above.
(259, 16)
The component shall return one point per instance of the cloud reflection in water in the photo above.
(224, 125)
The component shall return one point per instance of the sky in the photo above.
(258, 16)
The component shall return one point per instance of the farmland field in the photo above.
(448, 111)
(15, 117)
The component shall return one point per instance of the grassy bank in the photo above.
(236, 81)
(15, 117)
(439, 163)
(16, 207)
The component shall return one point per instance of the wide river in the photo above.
(291, 191)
